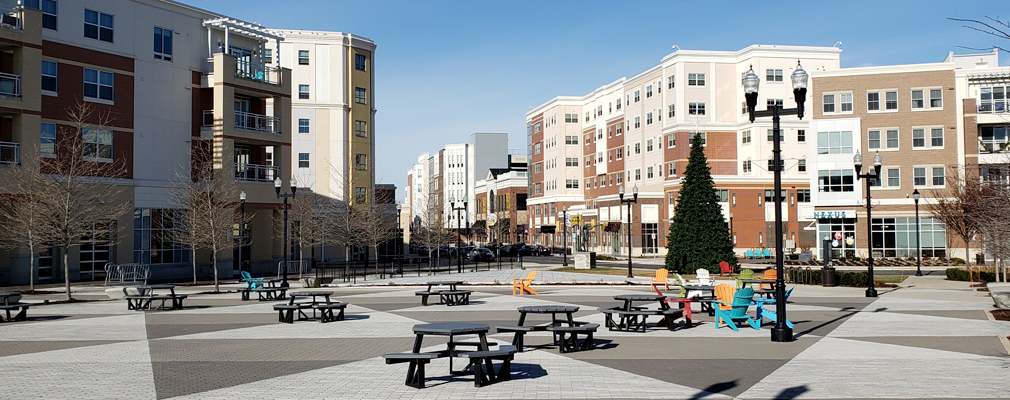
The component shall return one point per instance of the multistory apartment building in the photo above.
(501, 203)
(635, 132)
(206, 85)
(333, 109)
(930, 123)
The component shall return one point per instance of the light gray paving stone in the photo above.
(120, 327)
(866, 323)
(119, 370)
(360, 323)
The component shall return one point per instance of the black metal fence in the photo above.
(400, 267)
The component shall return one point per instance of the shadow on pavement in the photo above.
(714, 388)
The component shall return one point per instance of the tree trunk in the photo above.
(66, 272)
(192, 260)
(31, 266)
(213, 265)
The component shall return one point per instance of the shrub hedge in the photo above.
(958, 274)
(813, 276)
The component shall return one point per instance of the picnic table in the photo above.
(769, 293)
(450, 297)
(146, 295)
(481, 359)
(565, 329)
(267, 289)
(704, 300)
(320, 302)
(10, 301)
(633, 318)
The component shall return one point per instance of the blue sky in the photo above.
(446, 69)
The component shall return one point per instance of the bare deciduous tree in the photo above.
(21, 211)
(429, 230)
(376, 226)
(990, 26)
(955, 205)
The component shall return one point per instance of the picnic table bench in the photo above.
(265, 289)
(565, 329)
(634, 318)
(481, 359)
(450, 297)
(142, 297)
(10, 301)
(325, 307)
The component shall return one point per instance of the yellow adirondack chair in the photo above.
(660, 278)
(770, 274)
(523, 284)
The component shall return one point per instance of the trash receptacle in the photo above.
(592, 259)
(828, 277)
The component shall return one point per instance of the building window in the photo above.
(672, 110)
(992, 139)
(49, 10)
(268, 56)
(303, 92)
(770, 137)
(891, 100)
(938, 177)
(846, 100)
(97, 144)
(892, 139)
(648, 118)
(638, 122)
(303, 160)
(359, 95)
(895, 237)
(538, 189)
(894, 177)
(49, 70)
(638, 147)
(98, 84)
(745, 137)
(638, 174)
(637, 95)
(361, 162)
(571, 183)
(801, 135)
(360, 129)
(153, 233)
(671, 81)
(360, 196)
(834, 142)
(747, 166)
(671, 140)
(803, 196)
(303, 125)
(47, 146)
(829, 103)
(536, 168)
(801, 166)
(303, 57)
(620, 152)
(873, 101)
(774, 103)
(359, 62)
(648, 172)
(695, 79)
(773, 75)
(648, 145)
(993, 99)
(770, 193)
(571, 139)
(648, 91)
(162, 44)
(696, 108)
(935, 98)
(936, 137)
(835, 180)
(917, 100)
(873, 139)
(97, 25)
(536, 148)
(571, 161)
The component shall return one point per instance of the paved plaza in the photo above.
(928, 338)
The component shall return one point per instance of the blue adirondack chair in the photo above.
(768, 253)
(251, 283)
(749, 253)
(771, 314)
(742, 300)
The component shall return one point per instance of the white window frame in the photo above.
(54, 76)
(163, 54)
(305, 161)
(303, 57)
(98, 83)
(47, 138)
(696, 79)
(304, 92)
(696, 108)
(303, 126)
(95, 142)
(100, 26)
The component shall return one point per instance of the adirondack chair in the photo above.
(523, 284)
(660, 279)
(682, 283)
(725, 268)
(749, 253)
(735, 309)
(744, 274)
(703, 276)
(771, 314)
(251, 283)
(770, 274)
(768, 253)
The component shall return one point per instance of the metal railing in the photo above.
(122, 273)
(257, 172)
(294, 267)
(10, 153)
(992, 106)
(12, 15)
(257, 122)
(10, 84)
(257, 72)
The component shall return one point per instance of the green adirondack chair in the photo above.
(744, 274)
(737, 309)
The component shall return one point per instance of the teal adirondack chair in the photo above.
(771, 314)
(735, 310)
(768, 253)
(749, 253)
(251, 283)
(744, 274)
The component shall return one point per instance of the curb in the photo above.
(1002, 339)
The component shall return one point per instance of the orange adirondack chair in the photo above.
(523, 284)
(724, 269)
(724, 293)
(660, 278)
(770, 274)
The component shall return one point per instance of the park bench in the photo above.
(415, 372)
(483, 367)
(455, 297)
(286, 312)
(264, 293)
(635, 320)
(424, 295)
(326, 311)
(12, 302)
(567, 337)
(519, 331)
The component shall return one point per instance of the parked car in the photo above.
(481, 254)
(543, 250)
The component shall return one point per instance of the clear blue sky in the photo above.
(446, 69)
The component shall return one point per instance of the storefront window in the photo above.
(895, 237)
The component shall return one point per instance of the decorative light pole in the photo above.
(918, 246)
(241, 228)
(781, 332)
(564, 243)
(870, 175)
(399, 234)
(634, 199)
(285, 196)
(459, 229)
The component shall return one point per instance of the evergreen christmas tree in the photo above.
(699, 236)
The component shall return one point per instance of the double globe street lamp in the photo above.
(634, 199)
(918, 246)
(870, 176)
(285, 196)
(781, 332)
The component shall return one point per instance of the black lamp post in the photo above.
(285, 196)
(399, 234)
(241, 228)
(918, 246)
(870, 175)
(459, 229)
(634, 199)
(781, 332)
(564, 243)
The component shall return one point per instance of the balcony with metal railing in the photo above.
(258, 72)
(10, 153)
(256, 172)
(257, 122)
(10, 85)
